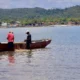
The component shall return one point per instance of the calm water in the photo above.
(60, 60)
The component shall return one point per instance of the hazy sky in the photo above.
(48, 4)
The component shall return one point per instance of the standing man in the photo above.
(28, 40)
(10, 38)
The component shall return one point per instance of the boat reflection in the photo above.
(10, 56)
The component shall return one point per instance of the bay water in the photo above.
(60, 60)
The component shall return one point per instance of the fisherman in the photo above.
(10, 38)
(28, 40)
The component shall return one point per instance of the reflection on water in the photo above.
(29, 55)
(8, 55)
(11, 57)
(57, 63)
(23, 65)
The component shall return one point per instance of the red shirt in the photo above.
(10, 37)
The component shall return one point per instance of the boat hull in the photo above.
(22, 45)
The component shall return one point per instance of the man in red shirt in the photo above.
(10, 38)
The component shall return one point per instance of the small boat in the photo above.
(22, 45)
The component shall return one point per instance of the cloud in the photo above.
(22, 3)
(4, 4)
(63, 3)
(38, 3)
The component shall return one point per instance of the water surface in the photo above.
(60, 60)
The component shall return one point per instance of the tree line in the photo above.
(29, 16)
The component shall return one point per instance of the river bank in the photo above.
(56, 25)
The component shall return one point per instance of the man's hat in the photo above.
(27, 32)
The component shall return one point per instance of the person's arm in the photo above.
(25, 40)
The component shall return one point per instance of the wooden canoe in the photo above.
(22, 45)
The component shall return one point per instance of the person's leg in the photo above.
(10, 46)
(28, 45)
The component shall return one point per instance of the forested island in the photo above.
(39, 16)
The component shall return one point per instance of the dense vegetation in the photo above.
(39, 15)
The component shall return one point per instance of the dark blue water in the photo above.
(60, 60)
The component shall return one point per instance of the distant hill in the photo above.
(32, 13)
